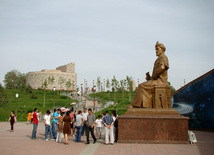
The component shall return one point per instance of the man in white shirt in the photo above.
(85, 115)
(47, 119)
(79, 124)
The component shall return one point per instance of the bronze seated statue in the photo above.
(155, 92)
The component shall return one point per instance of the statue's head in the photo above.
(160, 45)
(159, 48)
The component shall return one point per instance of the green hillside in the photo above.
(118, 97)
(28, 101)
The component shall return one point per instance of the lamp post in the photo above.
(86, 89)
(17, 95)
(101, 89)
(104, 85)
(94, 90)
(54, 88)
(84, 85)
(73, 89)
(81, 92)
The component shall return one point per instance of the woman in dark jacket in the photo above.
(12, 120)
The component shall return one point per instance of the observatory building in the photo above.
(63, 78)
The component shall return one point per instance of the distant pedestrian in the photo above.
(79, 125)
(114, 114)
(99, 126)
(85, 115)
(72, 120)
(67, 126)
(103, 115)
(32, 117)
(60, 128)
(12, 120)
(108, 123)
(115, 118)
(90, 126)
(103, 127)
(35, 123)
(47, 122)
(29, 117)
(54, 123)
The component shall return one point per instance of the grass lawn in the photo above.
(121, 98)
(27, 103)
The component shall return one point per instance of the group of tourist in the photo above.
(60, 125)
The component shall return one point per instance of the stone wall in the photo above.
(63, 73)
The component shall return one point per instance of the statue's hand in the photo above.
(148, 77)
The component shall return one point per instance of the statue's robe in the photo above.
(143, 97)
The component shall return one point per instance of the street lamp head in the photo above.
(54, 88)
(17, 95)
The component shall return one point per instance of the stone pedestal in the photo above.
(165, 126)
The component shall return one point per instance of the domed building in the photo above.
(63, 78)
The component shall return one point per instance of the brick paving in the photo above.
(19, 143)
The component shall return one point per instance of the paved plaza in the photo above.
(19, 142)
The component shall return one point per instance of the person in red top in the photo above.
(35, 123)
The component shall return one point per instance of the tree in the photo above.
(51, 80)
(172, 88)
(129, 86)
(15, 80)
(114, 84)
(21, 81)
(108, 86)
(3, 96)
(61, 80)
(98, 83)
(68, 84)
(44, 86)
(122, 86)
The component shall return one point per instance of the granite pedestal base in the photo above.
(166, 127)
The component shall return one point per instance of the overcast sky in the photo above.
(107, 37)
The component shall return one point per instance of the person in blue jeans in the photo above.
(35, 123)
(79, 126)
(54, 123)
(47, 120)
